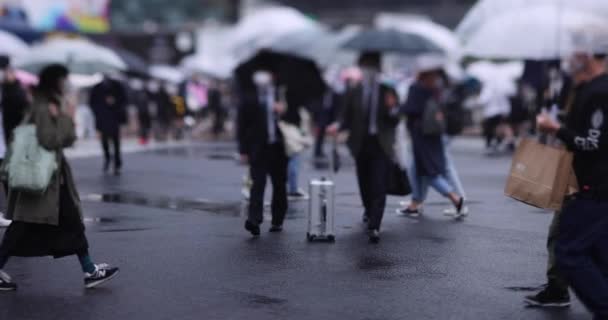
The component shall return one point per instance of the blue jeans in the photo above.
(582, 252)
(420, 185)
(444, 185)
(293, 170)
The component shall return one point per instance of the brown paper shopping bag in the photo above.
(540, 175)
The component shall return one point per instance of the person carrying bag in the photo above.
(28, 166)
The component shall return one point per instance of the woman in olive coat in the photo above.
(50, 224)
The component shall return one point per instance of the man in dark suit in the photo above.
(108, 101)
(370, 115)
(261, 146)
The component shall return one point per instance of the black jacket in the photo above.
(14, 106)
(586, 134)
(108, 101)
(252, 128)
(327, 108)
(354, 118)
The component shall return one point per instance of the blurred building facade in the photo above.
(342, 12)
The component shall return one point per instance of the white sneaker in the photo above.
(4, 222)
(451, 212)
(300, 195)
(6, 283)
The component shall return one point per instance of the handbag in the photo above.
(30, 166)
(541, 175)
(433, 124)
(398, 181)
(296, 139)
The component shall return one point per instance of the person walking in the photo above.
(555, 293)
(50, 224)
(430, 163)
(108, 101)
(261, 146)
(371, 115)
(582, 244)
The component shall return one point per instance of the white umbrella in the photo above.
(264, 26)
(538, 33)
(11, 45)
(438, 34)
(486, 10)
(212, 65)
(319, 45)
(79, 55)
(80, 81)
(167, 73)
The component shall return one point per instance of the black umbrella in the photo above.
(301, 77)
(391, 41)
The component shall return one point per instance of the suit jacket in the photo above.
(354, 118)
(327, 108)
(252, 126)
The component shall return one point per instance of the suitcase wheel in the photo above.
(331, 238)
(310, 237)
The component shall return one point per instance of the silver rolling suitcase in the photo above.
(321, 211)
(321, 205)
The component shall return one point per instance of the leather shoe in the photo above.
(254, 229)
(374, 236)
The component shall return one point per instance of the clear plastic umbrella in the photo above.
(11, 45)
(440, 35)
(536, 33)
(486, 10)
(319, 45)
(262, 27)
(79, 55)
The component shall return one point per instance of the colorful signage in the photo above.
(88, 16)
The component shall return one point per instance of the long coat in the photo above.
(354, 119)
(55, 134)
(428, 150)
(108, 102)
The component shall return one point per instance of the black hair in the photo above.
(600, 56)
(48, 83)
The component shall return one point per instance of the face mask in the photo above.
(368, 73)
(262, 79)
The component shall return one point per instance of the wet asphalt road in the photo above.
(173, 223)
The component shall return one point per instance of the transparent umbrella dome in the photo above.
(79, 55)
(537, 33)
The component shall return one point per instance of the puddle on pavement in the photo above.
(167, 203)
(525, 289)
(123, 230)
(212, 153)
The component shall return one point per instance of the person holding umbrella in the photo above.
(108, 101)
(261, 146)
(371, 115)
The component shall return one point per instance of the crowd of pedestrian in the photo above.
(568, 109)
(369, 110)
